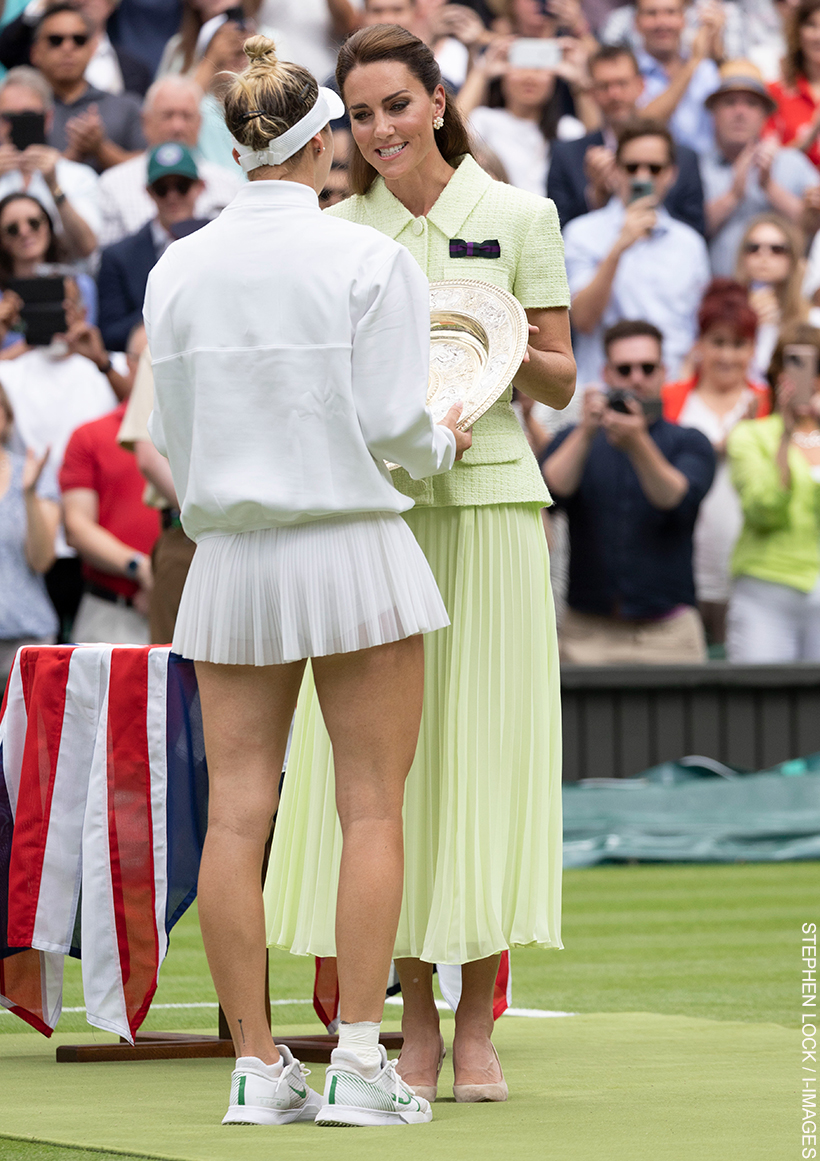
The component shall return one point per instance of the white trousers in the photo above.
(104, 621)
(769, 623)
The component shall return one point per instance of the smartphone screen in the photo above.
(26, 129)
(800, 364)
(43, 315)
(533, 53)
(640, 189)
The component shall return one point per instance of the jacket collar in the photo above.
(278, 194)
(454, 205)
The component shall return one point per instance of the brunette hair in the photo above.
(643, 127)
(609, 52)
(553, 109)
(54, 251)
(799, 333)
(391, 42)
(793, 307)
(794, 64)
(56, 10)
(726, 303)
(632, 328)
(270, 96)
(5, 405)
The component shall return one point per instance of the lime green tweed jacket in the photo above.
(779, 540)
(499, 468)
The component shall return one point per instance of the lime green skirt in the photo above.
(482, 809)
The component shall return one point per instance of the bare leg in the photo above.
(371, 703)
(474, 1061)
(421, 1050)
(246, 713)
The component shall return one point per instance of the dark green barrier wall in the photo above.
(620, 720)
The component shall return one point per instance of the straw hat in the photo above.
(741, 76)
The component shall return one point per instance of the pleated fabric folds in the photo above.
(483, 799)
(306, 590)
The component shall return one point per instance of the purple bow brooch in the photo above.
(487, 249)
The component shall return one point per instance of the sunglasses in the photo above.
(165, 185)
(632, 167)
(34, 224)
(773, 247)
(55, 39)
(625, 369)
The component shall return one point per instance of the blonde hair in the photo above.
(268, 97)
(793, 307)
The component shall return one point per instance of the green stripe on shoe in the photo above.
(240, 1097)
(331, 1100)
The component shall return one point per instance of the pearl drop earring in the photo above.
(438, 121)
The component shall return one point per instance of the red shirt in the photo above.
(795, 108)
(94, 459)
(674, 396)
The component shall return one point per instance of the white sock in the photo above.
(272, 1071)
(362, 1039)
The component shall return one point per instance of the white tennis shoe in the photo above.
(353, 1096)
(259, 1099)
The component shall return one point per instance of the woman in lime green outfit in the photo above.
(774, 609)
(482, 802)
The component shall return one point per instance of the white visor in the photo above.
(328, 107)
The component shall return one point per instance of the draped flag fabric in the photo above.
(103, 811)
(103, 807)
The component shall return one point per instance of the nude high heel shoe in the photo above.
(482, 1092)
(427, 1092)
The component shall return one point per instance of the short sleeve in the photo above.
(47, 486)
(132, 135)
(540, 278)
(79, 468)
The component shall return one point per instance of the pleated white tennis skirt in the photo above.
(306, 590)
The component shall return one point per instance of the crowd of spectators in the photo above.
(680, 144)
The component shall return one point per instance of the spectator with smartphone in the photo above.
(67, 189)
(746, 173)
(581, 173)
(770, 265)
(30, 250)
(518, 111)
(207, 47)
(632, 259)
(677, 83)
(113, 70)
(774, 609)
(174, 186)
(631, 484)
(171, 112)
(90, 126)
(111, 528)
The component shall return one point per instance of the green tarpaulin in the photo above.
(695, 810)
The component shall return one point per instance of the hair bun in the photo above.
(260, 48)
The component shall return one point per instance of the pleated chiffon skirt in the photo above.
(483, 799)
(306, 590)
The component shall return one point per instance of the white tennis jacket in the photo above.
(290, 353)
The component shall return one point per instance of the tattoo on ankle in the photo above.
(242, 1031)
